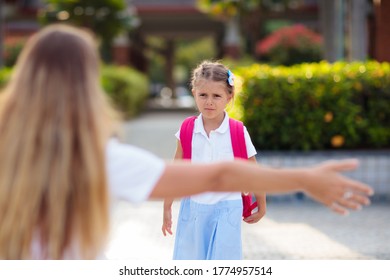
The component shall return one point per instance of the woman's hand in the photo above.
(325, 184)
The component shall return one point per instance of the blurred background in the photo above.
(314, 84)
(314, 75)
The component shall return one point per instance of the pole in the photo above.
(1, 34)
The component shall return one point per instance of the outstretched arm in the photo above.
(322, 182)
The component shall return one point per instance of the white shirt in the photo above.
(132, 172)
(215, 147)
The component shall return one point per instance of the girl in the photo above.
(59, 165)
(209, 224)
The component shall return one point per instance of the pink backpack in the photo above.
(238, 145)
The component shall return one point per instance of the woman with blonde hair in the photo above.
(60, 164)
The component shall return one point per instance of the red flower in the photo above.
(290, 37)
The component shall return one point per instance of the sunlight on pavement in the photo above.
(296, 241)
(137, 235)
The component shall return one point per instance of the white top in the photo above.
(132, 172)
(215, 147)
(132, 175)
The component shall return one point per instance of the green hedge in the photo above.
(5, 74)
(316, 106)
(127, 88)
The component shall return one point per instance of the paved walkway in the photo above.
(292, 229)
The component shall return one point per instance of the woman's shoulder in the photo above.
(120, 154)
(132, 172)
(115, 148)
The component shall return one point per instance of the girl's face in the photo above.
(211, 98)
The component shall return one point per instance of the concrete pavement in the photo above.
(292, 229)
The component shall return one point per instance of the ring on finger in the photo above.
(347, 195)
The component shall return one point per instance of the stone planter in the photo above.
(374, 166)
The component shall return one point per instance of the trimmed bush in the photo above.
(127, 88)
(316, 106)
(12, 48)
(5, 74)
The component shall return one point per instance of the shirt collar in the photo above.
(199, 128)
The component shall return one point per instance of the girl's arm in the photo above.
(261, 203)
(322, 182)
(167, 208)
(178, 156)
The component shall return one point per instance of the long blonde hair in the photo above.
(54, 124)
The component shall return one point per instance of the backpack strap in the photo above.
(186, 132)
(238, 139)
(236, 135)
(238, 144)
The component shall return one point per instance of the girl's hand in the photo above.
(261, 209)
(167, 222)
(255, 217)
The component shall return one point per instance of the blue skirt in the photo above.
(209, 231)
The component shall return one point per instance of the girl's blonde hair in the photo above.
(212, 71)
(54, 124)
